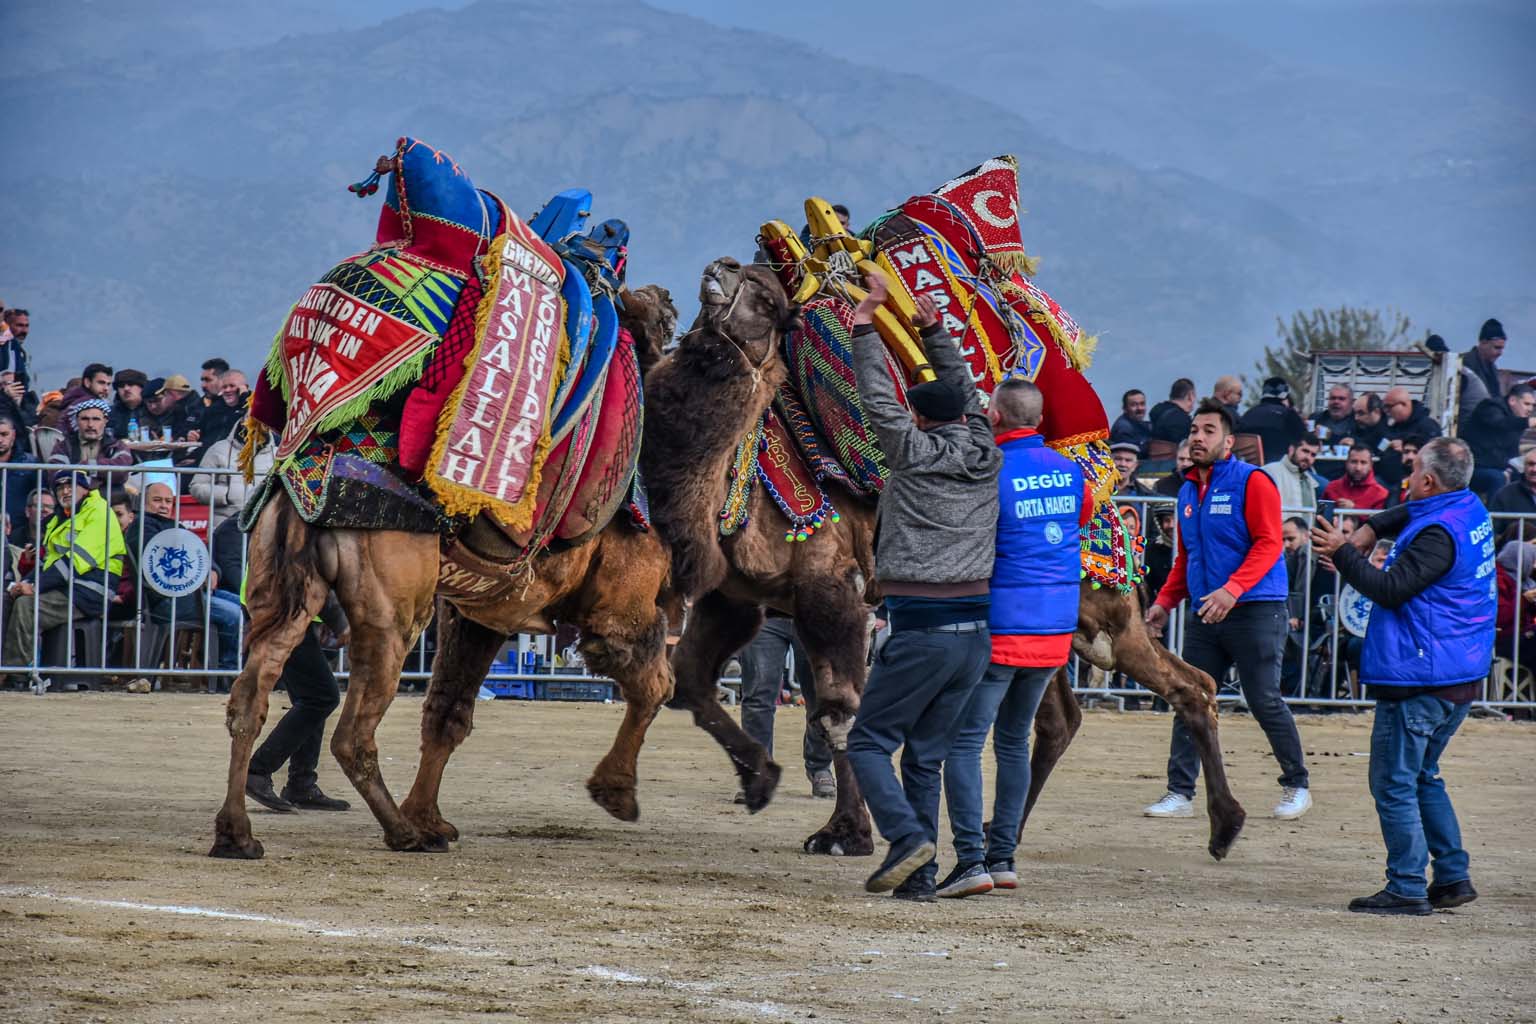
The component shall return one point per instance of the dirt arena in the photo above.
(550, 911)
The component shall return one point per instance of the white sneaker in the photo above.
(1294, 802)
(1172, 806)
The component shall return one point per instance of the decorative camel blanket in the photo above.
(960, 246)
(443, 371)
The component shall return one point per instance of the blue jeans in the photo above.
(224, 612)
(762, 674)
(1008, 696)
(918, 688)
(1417, 820)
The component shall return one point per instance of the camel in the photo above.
(703, 397)
(615, 587)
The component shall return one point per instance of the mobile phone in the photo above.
(1327, 509)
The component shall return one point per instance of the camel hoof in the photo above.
(760, 786)
(1225, 833)
(831, 843)
(230, 848)
(618, 799)
(420, 842)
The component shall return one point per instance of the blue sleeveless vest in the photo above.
(1444, 636)
(1216, 538)
(1039, 555)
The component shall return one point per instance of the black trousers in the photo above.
(298, 736)
(1252, 637)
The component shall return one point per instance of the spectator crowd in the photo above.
(75, 538)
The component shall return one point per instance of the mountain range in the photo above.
(184, 173)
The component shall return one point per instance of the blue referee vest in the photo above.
(1215, 534)
(1443, 636)
(1036, 575)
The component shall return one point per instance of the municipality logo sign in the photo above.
(175, 563)
(1053, 533)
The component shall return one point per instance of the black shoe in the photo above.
(1003, 874)
(904, 858)
(1388, 902)
(918, 888)
(1452, 894)
(966, 880)
(314, 800)
(259, 788)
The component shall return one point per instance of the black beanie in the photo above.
(1491, 329)
(938, 400)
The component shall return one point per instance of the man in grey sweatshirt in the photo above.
(933, 560)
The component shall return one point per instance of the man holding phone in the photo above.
(1229, 565)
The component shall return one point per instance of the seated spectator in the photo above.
(1273, 420)
(130, 419)
(82, 554)
(50, 416)
(213, 370)
(1170, 484)
(227, 551)
(225, 493)
(27, 532)
(121, 504)
(1405, 415)
(228, 413)
(1335, 423)
(1132, 424)
(1127, 460)
(1292, 473)
(1171, 419)
(1515, 567)
(1357, 488)
(1228, 390)
(88, 442)
(176, 407)
(1493, 430)
(1370, 421)
(15, 484)
(1295, 556)
(159, 514)
(1519, 496)
(1410, 456)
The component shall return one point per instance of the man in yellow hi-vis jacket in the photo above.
(82, 555)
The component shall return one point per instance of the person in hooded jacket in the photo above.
(1277, 425)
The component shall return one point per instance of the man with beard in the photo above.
(221, 418)
(1335, 422)
(88, 442)
(1229, 565)
(177, 408)
(1292, 473)
(1358, 487)
(1519, 496)
(129, 414)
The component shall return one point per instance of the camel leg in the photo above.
(1056, 724)
(639, 665)
(388, 600)
(1192, 695)
(279, 542)
(830, 619)
(718, 628)
(465, 652)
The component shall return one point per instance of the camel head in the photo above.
(747, 306)
(649, 314)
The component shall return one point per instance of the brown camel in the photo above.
(614, 587)
(703, 397)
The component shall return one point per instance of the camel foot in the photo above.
(841, 839)
(417, 842)
(228, 847)
(435, 826)
(1224, 832)
(759, 786)
(617, 797)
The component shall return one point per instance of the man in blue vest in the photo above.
(1043, 503)
(1427, 652)
(1229, 565)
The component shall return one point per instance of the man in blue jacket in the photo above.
(1427, 652)
(1043, 504)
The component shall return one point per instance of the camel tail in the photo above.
(295, 560)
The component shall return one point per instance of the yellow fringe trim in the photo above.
(456, 498)
(256, 437)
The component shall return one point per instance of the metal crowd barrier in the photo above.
(136, 640)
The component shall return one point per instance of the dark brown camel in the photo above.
(615, 588)
(702, 398)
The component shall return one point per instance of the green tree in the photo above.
(1348, 328)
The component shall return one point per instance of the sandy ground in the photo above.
(550, 911)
